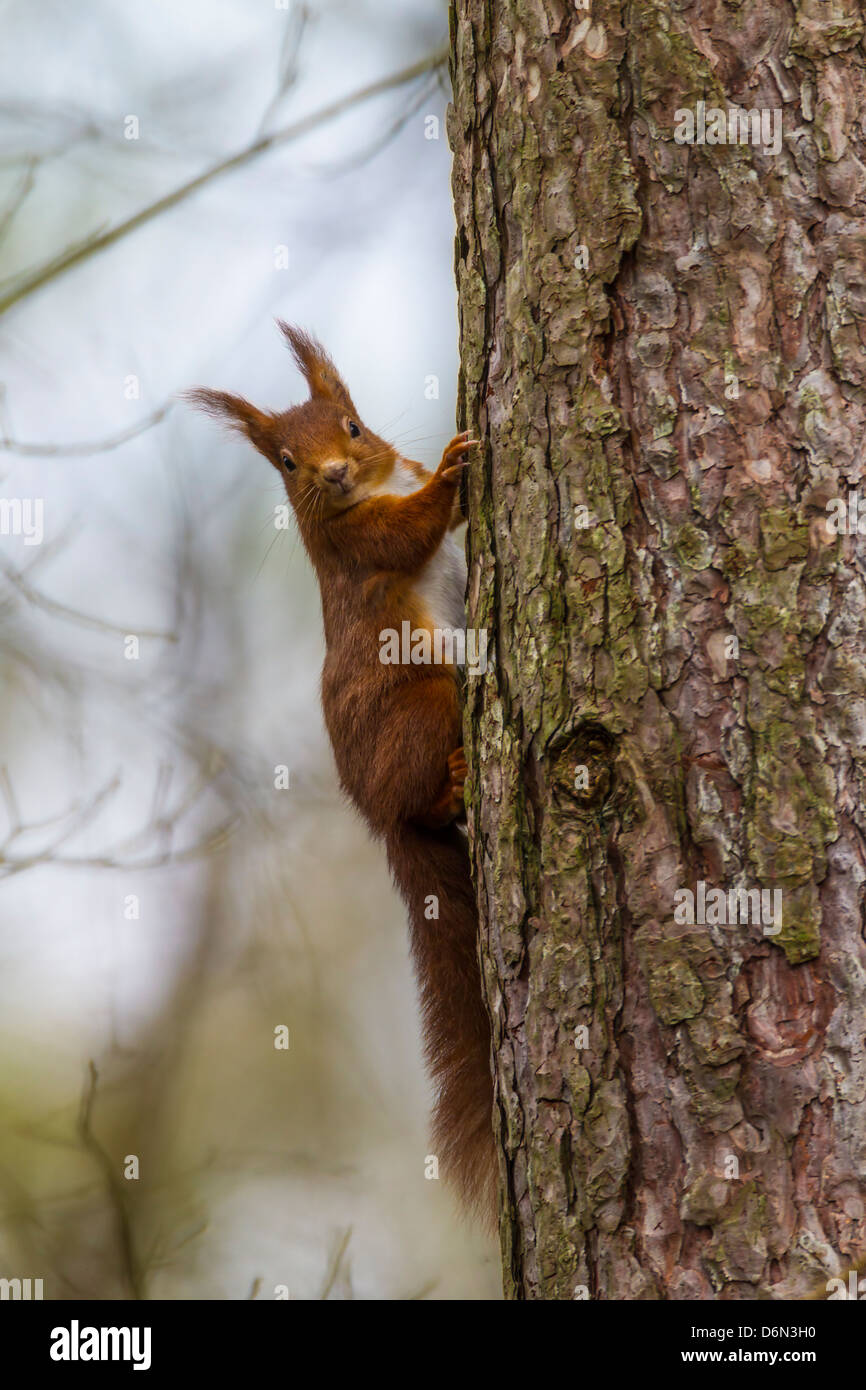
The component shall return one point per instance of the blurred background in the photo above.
(170, 909)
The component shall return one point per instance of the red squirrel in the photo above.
(379, 531)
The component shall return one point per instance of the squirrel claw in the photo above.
(454, 458)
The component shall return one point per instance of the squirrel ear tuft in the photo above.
(321, 375)
(240, 414)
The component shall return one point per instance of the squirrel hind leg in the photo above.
(449, 804)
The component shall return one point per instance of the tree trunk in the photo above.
(662, 346)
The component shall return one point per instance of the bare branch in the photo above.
(214, 841)
(99, 446)
(122, 856)
(29, 283)
(72, 615)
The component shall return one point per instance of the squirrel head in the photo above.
(326, 456)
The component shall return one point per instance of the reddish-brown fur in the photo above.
(395, 729)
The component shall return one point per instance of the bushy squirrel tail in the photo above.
(428, 865)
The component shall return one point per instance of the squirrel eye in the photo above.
(287, 461)
(354, 430)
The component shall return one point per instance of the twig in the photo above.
(118, 857)
(357, 161)
(99, 446)
(287, 68)
(19, 197)
(73, 615)
(10, 866)
(12, 810)
(116, 1193)
(336, 1261)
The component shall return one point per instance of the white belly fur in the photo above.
(441, 584)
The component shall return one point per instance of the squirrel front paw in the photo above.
(455, 457)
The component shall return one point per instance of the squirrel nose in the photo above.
(336, 472)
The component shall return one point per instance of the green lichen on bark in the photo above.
(677, 686)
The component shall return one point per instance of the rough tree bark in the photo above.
(696, 380)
